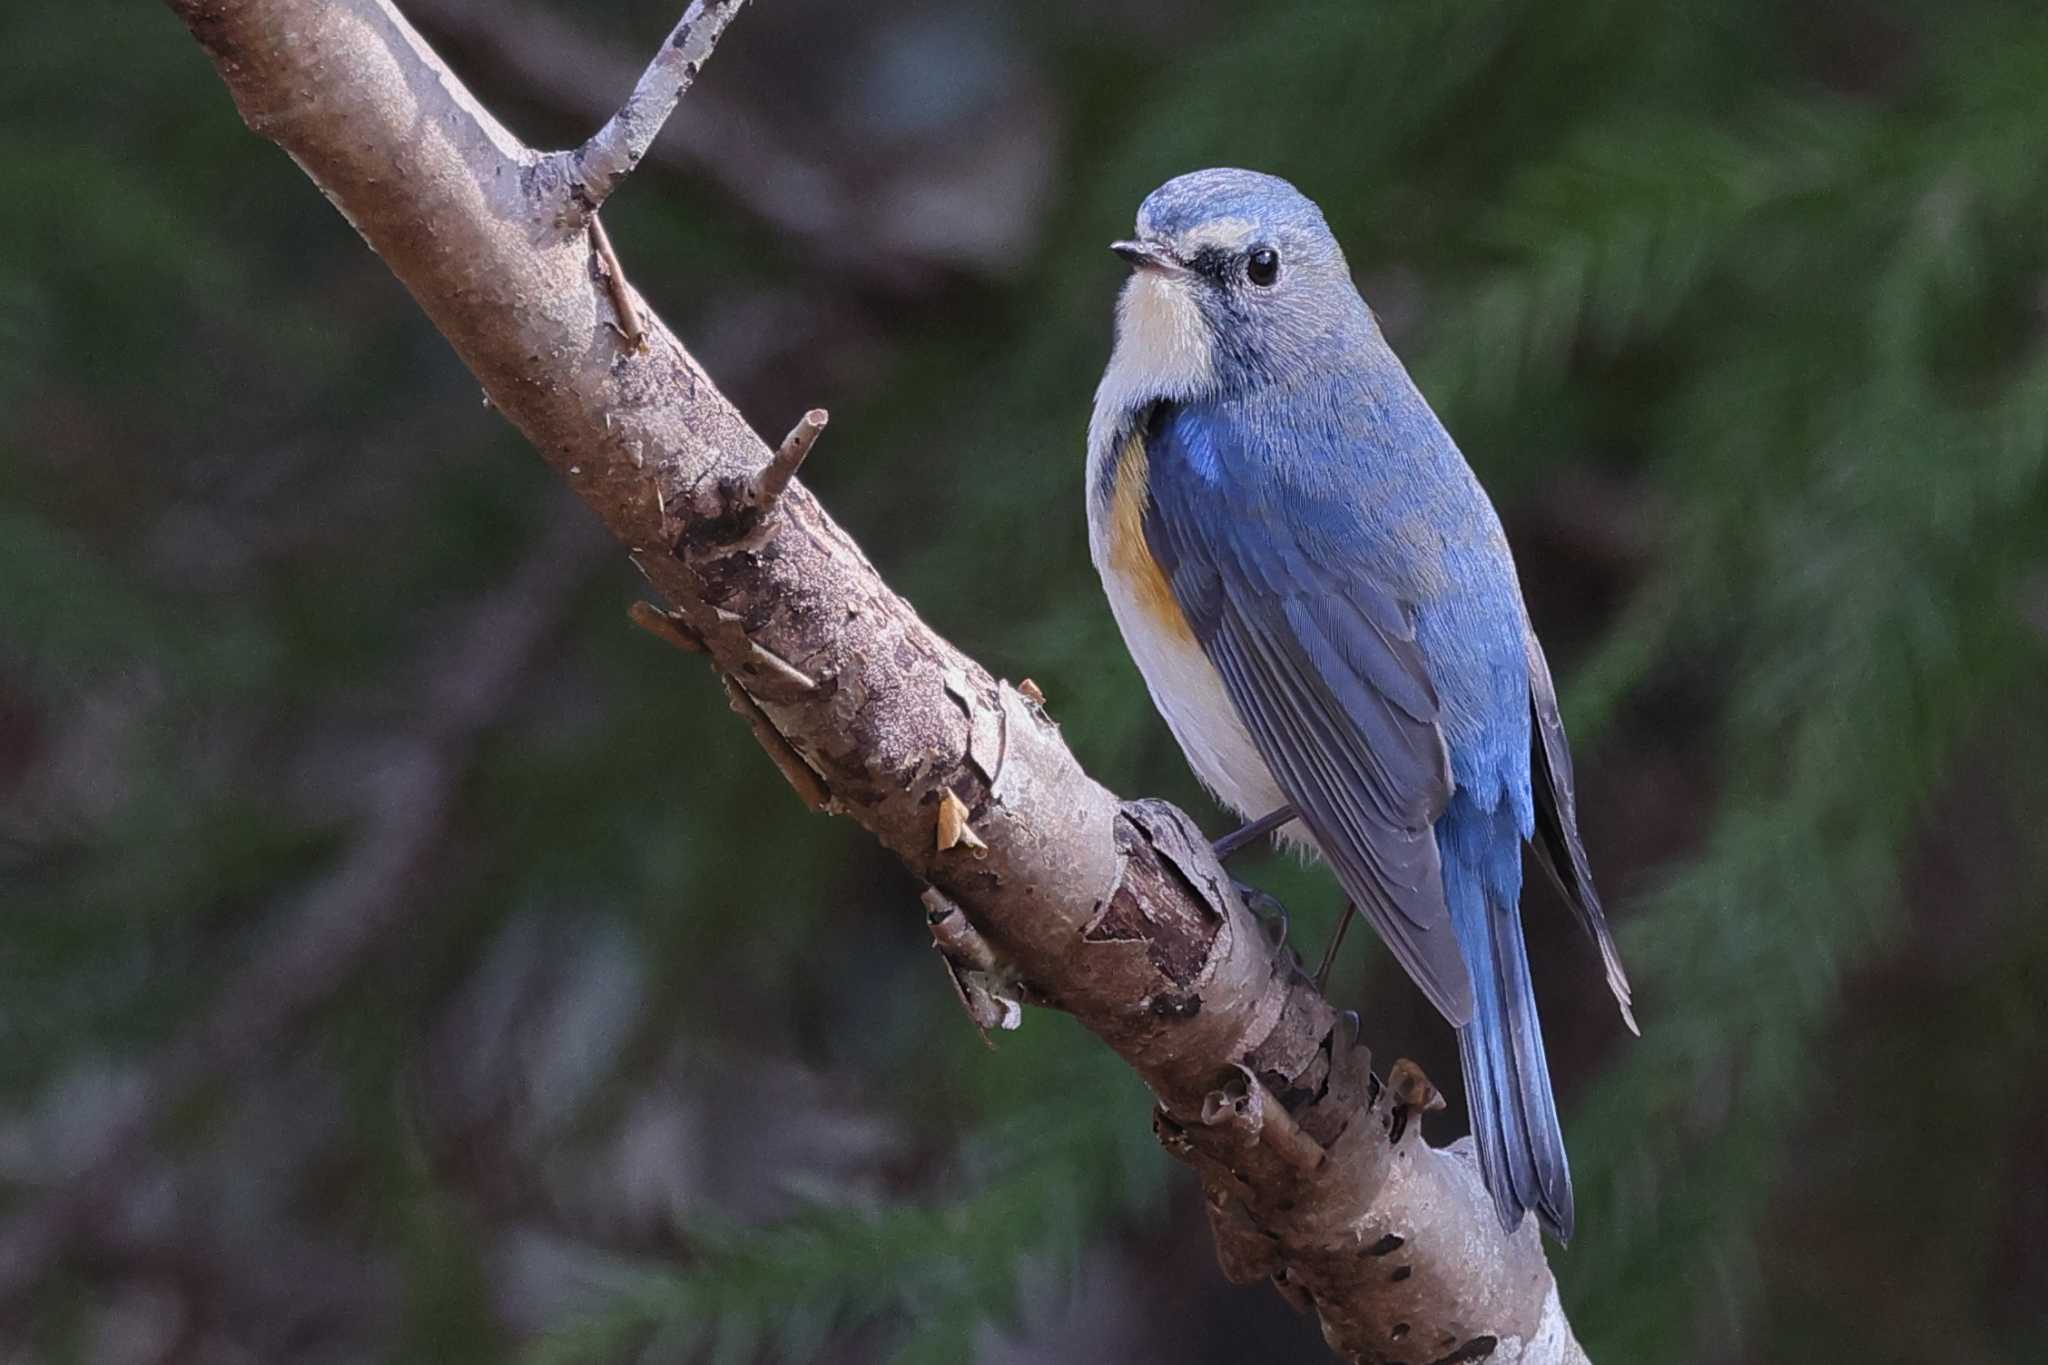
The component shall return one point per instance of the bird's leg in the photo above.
(1336, 942)
(1231, 844)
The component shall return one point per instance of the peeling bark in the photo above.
(1314, 1176)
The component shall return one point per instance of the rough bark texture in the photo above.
(1315, 1177)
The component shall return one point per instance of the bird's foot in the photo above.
(1268, 911)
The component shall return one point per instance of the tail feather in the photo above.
(1507, 1080)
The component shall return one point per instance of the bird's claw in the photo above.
(1270, 913)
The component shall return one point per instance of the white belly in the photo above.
(1189, 693)
(1162, 351)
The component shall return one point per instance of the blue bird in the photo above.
(1323, 605)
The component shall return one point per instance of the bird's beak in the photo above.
(1148, 256)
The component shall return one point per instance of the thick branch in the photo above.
(1315, 1177)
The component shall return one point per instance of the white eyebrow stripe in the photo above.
(1229, 234)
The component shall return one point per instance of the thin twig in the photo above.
(663, 627)
(615, 149)
(1247, 1109)
(954, 934)
(970, 967)
(629, 324)
(774, 476)
(801, 776)
(1279, 1130)
(781, 667)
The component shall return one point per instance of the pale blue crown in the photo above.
(1187, 201)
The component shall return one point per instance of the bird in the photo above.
(1323, 605)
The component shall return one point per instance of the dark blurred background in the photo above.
(403, 959)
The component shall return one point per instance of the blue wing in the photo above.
(1321, 663)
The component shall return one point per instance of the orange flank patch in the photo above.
(1129, 555)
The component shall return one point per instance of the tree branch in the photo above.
(724, 141)
(615, 149)
(1315, 1177)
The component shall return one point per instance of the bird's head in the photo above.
(1236, 282)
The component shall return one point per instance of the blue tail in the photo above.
(1507, 1082)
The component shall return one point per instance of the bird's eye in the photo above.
(1262, 267)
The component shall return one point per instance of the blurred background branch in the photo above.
(467, 681)
(774, 168)
(1740, 310)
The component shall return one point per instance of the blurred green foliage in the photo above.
(1741, 309)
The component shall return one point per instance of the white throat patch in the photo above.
(1162, 351)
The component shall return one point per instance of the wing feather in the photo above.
(1558, 845)
(1322, 666)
